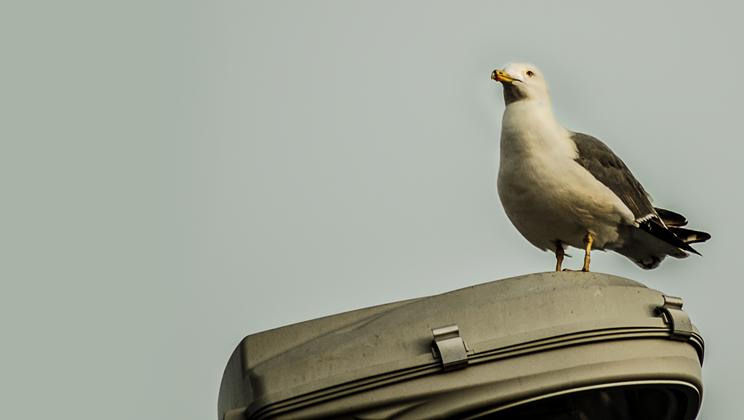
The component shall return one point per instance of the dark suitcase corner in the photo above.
(541, 346)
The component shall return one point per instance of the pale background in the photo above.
(177, 175)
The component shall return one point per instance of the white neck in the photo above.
(529, 125)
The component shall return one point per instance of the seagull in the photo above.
(562, 188)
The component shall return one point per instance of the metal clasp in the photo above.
(679, 322)
(449, 347)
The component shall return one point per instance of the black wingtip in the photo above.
(668, 235)
(690, 236)
(671, 218)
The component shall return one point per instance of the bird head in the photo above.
(521, 81)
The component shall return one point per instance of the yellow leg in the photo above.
(559, 254)
(589, 240)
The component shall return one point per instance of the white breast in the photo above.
(547, 195)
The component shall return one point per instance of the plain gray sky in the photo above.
(177, 175)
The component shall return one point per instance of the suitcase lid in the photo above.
(327, 357)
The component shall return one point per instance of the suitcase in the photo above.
(565, 345)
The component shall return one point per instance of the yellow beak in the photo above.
(501, 76)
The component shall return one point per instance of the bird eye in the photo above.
(530, 73)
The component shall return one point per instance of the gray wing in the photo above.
(611, 171)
